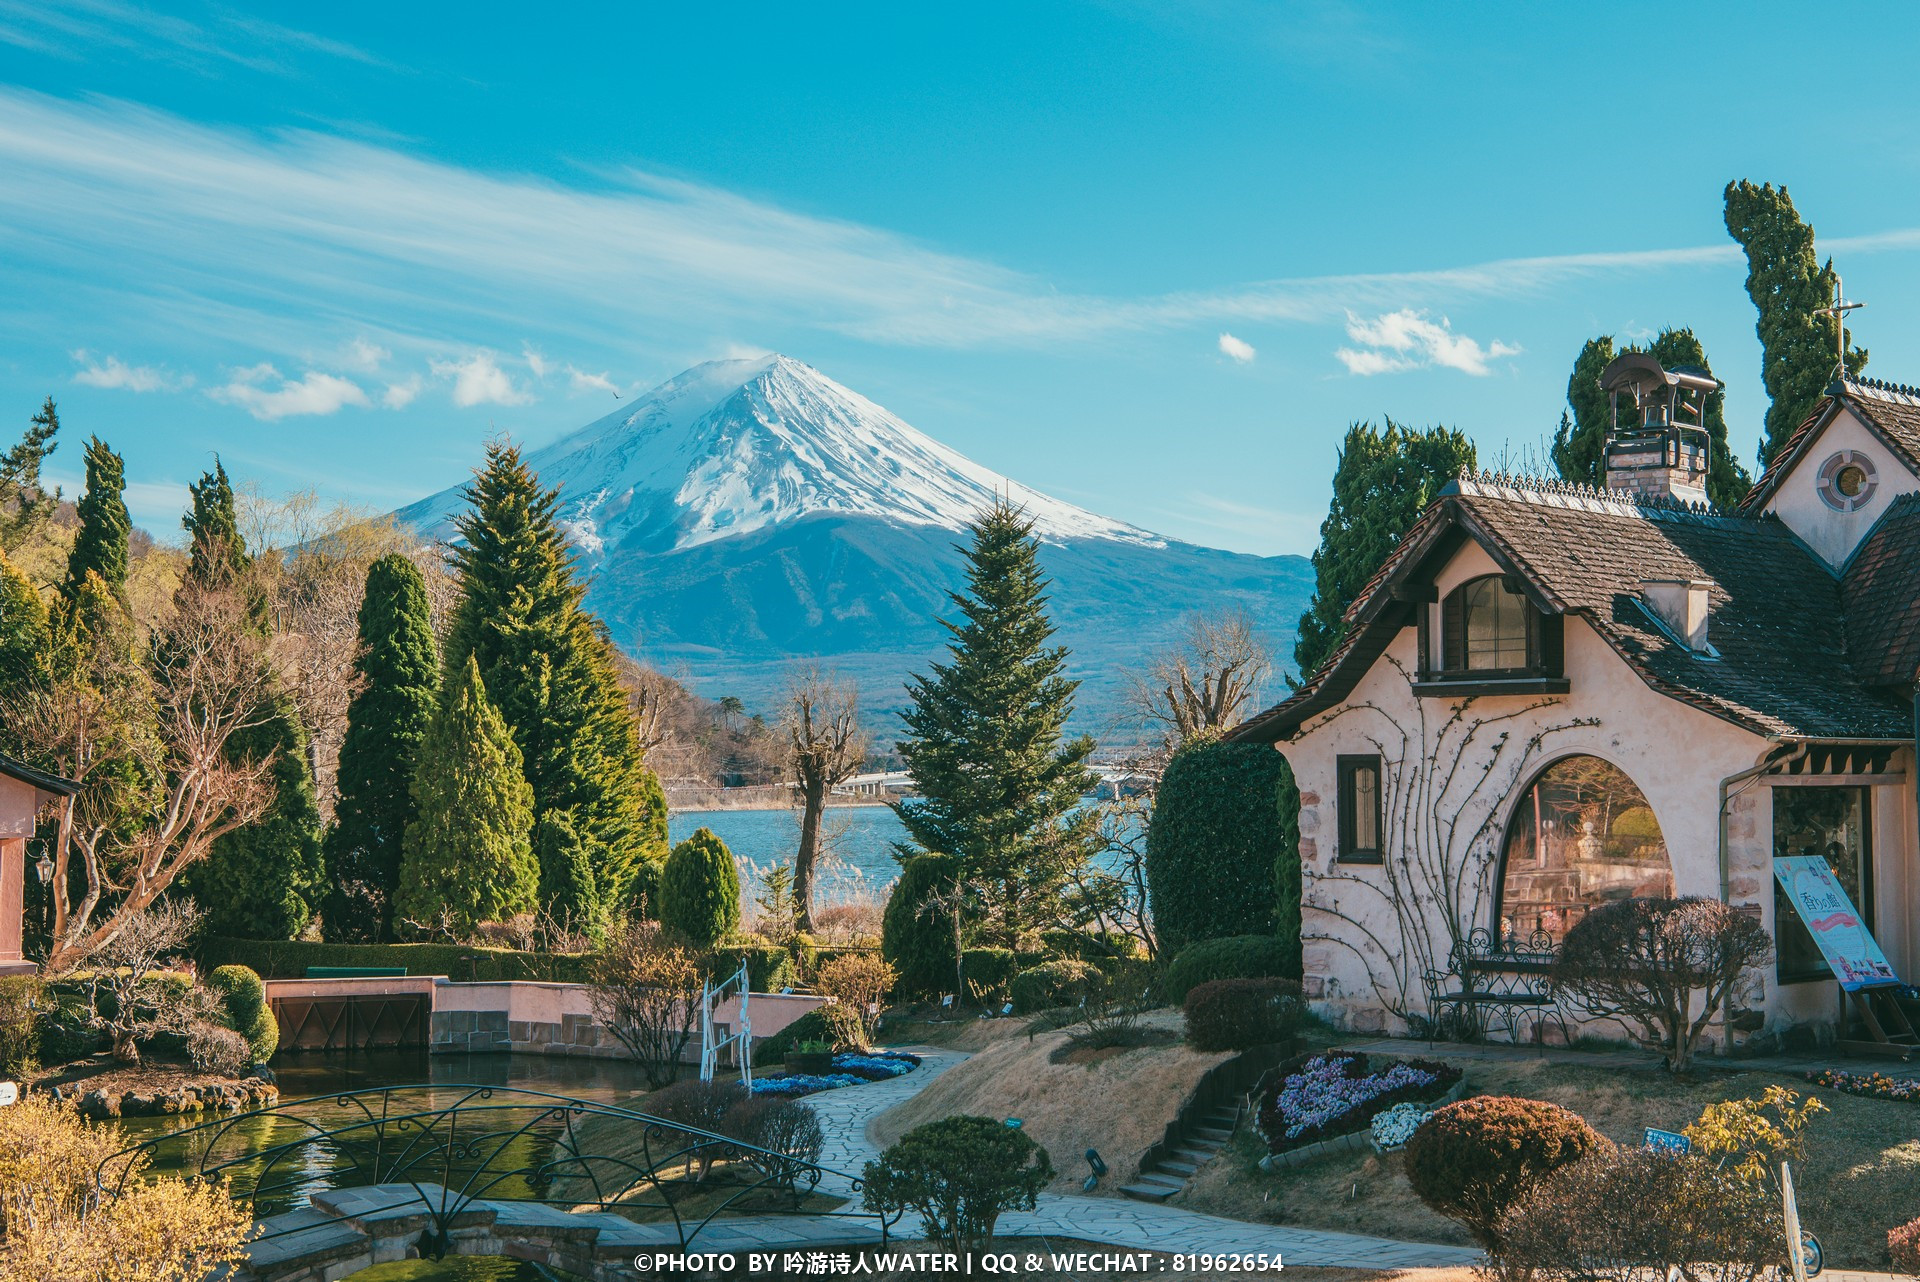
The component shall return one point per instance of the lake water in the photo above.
(858, 841)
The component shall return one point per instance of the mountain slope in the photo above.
(748, 513)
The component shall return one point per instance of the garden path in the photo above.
(847, 1114)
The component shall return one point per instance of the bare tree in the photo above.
(825, 748)
(207, 682)
(1206, 679)
(123, 964)
(646, 994)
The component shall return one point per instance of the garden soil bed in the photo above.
(1860, 1177)
(103, 1088)
(1119, 1104)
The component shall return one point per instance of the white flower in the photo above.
(1396, 1126)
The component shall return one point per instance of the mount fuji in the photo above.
(749, 513)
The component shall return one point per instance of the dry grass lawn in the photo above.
(1117, 1101)
(1861, 1175)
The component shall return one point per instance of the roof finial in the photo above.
(1839, 311)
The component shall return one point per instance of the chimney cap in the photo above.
(1642, 374)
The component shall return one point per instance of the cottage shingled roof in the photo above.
(1881, 588)
(1890, 410)
(1782, 665)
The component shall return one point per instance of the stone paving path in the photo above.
(846, 1116)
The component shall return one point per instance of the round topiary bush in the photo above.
(916, 938)
(1470, 1160)
(959, 1174)
(1235, 957)
(1052, 984)
(1235, 1014)
(1223, 853)
(700, 890)
(988, 970)
(244, 1000)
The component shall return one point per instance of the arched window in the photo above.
(1582, 835)
(1488, 628)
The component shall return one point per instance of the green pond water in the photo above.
(280, 1161)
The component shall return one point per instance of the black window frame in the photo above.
(1443, 654)
(1346, 765)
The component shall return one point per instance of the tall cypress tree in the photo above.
(24, 504)
(100, 546)
(1579, 447)
(1788, 285)
(549, 668)
(263, 881)
(386, 725)
(1000, 785)
(1382, 484)
(467, 856)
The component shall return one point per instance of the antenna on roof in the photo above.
(1839, 311)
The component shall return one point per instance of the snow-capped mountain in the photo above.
(748, 513)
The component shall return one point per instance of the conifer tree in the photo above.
(549, 668)
(386, 724)
(1382, 483)
(467, 857)
(1000, 785)
(700, 890)
(1580, 446)
(24, 504)
(26, 634)
(100, 546)
(1788, 285)
(263, 881)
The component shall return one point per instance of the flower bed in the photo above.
(1872, 1085)
(850, 1068)
(1339, 1094)
(1393, 1128)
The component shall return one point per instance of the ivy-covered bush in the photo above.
(1470, 1160)
(1235, 1014)
(1223, 853)
(700, 889)
(1234, 957)
(959, 1174)
(243, 998)
(915, 938)
(1052, 984)
(20, 995)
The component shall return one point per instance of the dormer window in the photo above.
(1491, 638)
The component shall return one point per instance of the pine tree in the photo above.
(1579, 447)
(467, 857)
(549, 667)
(23, 503)
(100, 546)
(1382, 483)
(26, 633)
(1000, 787)
(387, 722)
(1788, 285)
(266, 880)
(700, 890)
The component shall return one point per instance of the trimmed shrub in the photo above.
(769, 966)
(814, 1026)
(700, 889)
(702, 1105)
(1634, 1214)
(1903, 1244)
(1233, 957)
(858, 984)
(1470, 1160)
(19, 1025)
(213, 1048)
(1226, 825)
(917, 940)
(959, 1174)
(244, 999)
(988, 971)
(1051, 985)
(789, 1133)
(1235, 1014)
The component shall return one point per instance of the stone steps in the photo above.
(1199, 1144)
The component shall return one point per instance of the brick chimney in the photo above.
(1662, 452)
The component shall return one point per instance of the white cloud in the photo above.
(1236, 349)
(117, 375)
(1408, 339)
(366, 356)
(261, 391)
(400, 395)
(585, 382)
(479, 380)
(539, 364)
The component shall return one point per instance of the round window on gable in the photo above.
(1847, 481)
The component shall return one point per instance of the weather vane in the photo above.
(1839, 312)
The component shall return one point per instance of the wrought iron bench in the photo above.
(1494, 983)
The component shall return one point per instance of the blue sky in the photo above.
(1151, 257)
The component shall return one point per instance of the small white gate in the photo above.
(713, 1040)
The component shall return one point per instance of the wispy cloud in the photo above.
(215, 38)
(1408, 339)
(479, 380)
(1236, 349)
(538, 364)
(365, 356)
(114, 373)
(400, 395)
(261, 391)
(584, 382)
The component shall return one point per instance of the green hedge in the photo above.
(988, 968)
(1237, 957)
(279, 959)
